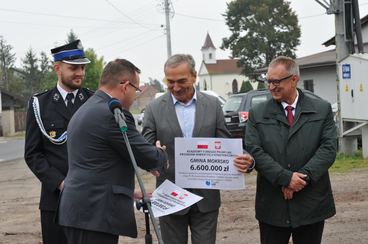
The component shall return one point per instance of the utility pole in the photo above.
(345, 11)
(168, 33)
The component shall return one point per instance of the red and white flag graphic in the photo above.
(202, 145)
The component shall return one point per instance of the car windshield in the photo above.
(258, 99)
(232, 104)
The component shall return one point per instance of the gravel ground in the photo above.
(19, 215)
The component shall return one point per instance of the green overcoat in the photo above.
(309, 147)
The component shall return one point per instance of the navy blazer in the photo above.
(99, 187)
(49, 162)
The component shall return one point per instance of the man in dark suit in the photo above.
(96, 205)
(186, 112)
(293, 140)
(48, 116)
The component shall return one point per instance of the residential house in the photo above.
(318, 71)
(10, 121)
(147, 95)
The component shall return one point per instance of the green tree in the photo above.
(7, 59)
(261, 30)
(261, 85)
(31, 73)
(93, 69)
(246, 87)
(48, 77)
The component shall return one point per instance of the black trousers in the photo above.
(306, 234)
(79, 236)
(52, 233)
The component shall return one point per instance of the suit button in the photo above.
(287, 221)
(52, 125)
(289, 166)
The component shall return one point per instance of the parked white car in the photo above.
(212, 93)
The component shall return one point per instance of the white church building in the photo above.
(222, 76)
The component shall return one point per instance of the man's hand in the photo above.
(138, 195)
(162, 147)
(61, 186)
(158, 145)
(243, 162)
(288, 193)
(297, 181)
(155, 173)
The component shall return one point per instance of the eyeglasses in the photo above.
(277, 82)
(137, 89)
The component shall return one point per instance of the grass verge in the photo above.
(344, 163)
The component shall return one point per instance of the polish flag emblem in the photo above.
(202, 145)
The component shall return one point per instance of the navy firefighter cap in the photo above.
(71, 53)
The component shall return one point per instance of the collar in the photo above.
(284, 104)
(194, 98)
(63, 93)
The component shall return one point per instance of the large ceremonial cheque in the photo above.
(208, 163)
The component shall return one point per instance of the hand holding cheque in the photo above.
(210, 163)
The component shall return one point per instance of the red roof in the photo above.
(224, 66)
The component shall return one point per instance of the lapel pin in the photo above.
(81, 97)
(56, 97)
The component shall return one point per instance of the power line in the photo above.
(123, 40)
(69, 16)
(140, 44)
(54, 25)
(201, 18)
(125, 15)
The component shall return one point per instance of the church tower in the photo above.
(208, 51)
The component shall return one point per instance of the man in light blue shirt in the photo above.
(185, 112)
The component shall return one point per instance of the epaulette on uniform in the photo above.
(89, 91)
(40, 93)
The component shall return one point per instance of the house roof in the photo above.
(331, 41)
(325, 58)
(321, 59)
(10, 100)
(224, 66)
(208, 43)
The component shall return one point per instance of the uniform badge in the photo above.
(52, 134)
(56, 97)
(81, 97)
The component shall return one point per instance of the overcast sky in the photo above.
(132, 29)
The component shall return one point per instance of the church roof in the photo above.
(208, 43)
(224, 66)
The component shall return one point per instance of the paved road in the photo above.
(11, 148)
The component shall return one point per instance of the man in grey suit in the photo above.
(96, 205)
(185, 112)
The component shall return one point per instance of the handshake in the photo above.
(163, 148)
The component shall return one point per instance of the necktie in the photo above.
(69, 100)
(290, 116)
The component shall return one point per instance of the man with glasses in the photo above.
(96, 205)
(292, 137)
(187, 112)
